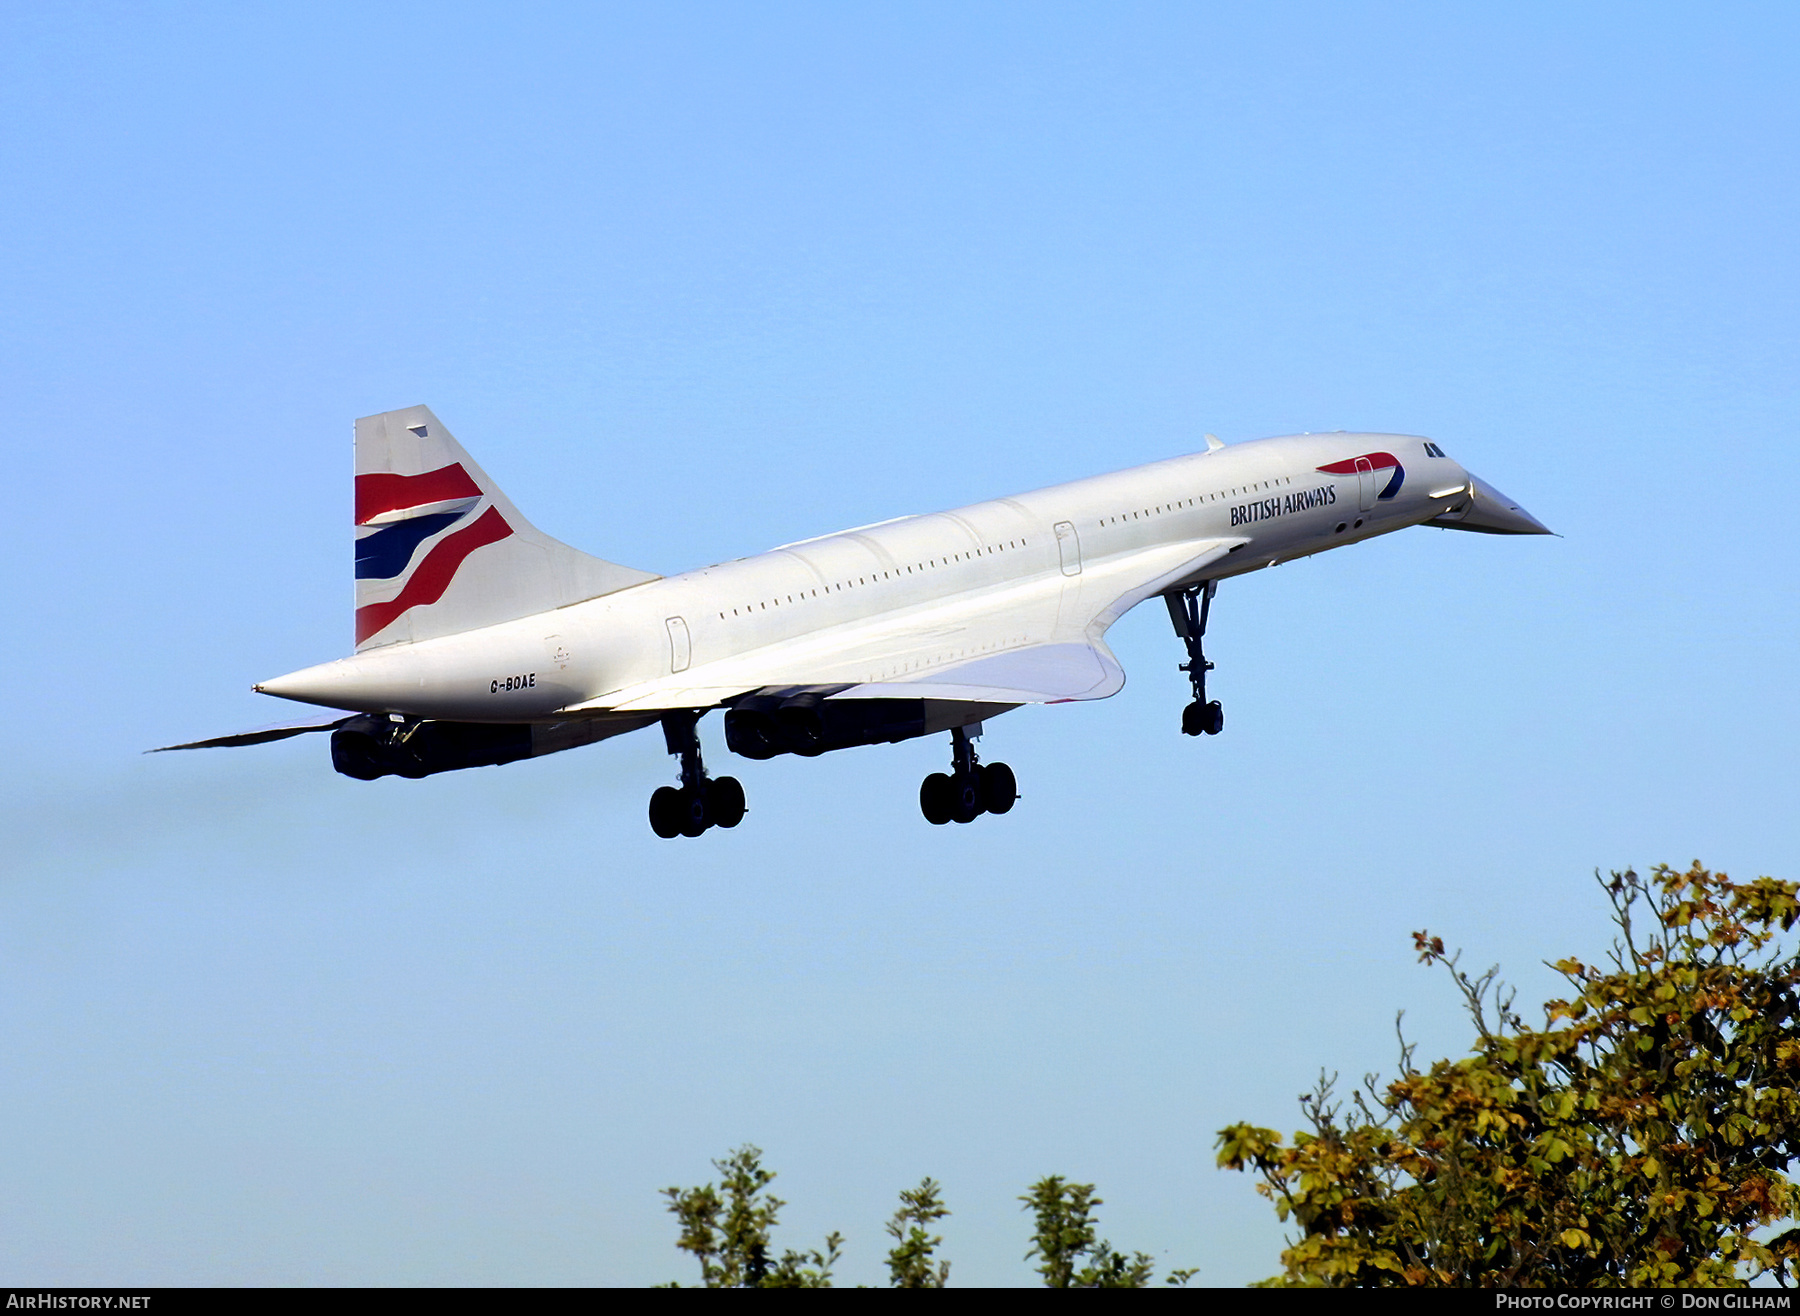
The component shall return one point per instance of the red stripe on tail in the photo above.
(435, 573)
(376, 494)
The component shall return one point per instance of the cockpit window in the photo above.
(1432, 450)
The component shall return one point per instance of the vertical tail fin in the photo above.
(440, 549)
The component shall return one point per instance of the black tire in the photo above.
(965, 799)
(665, 812)
(725, 802)
(999, 788)
(694, 819)
(936, 798)
(1193, 720)
(1215, 718)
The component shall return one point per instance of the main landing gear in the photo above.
(701, 801)
(971, 788)
(1188, 609)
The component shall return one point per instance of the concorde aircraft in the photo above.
(481, 640)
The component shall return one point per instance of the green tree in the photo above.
(727, 1230)
(1641, 1136)
(1063, 1241)
(910, 1264)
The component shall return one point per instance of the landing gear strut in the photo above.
(701, 801)
(971, 788)
(1188, 609)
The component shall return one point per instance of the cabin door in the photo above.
(680, 651)
(1069, 545)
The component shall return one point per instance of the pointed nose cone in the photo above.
(1491, 512)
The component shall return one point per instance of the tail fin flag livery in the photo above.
(441, 550)
(480, 640)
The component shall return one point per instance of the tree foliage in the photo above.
(1641, 1136)
(1063, 1241)
(727, 1230)
(910, 1260)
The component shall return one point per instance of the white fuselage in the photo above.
(1269, 493)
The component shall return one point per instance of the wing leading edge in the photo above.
(1039, 642)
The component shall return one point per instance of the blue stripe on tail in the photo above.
(384, 554)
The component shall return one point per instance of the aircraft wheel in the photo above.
(965, 799)
(1215, 718)
(693, 812)
(936, 799)
(725, 802)
(999, 788)
(666, 812)
(1193, 720)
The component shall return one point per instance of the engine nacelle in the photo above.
(763, 726)
(377, 745)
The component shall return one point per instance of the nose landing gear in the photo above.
(700, 801)
(970, 788)
(1188, 609)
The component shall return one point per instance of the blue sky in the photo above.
(693, 280)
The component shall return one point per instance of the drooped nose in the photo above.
(1488, 511)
